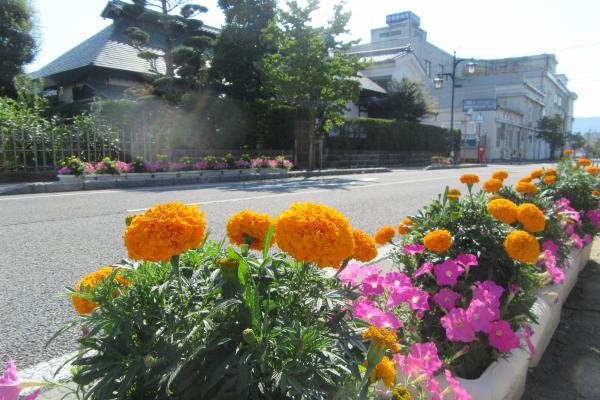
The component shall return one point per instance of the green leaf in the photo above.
(268, 239)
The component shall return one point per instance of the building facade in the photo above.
(497, 107)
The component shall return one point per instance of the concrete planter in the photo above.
(102, 177)
(548, 316)
(504, 379)
(584, 257)
(247, 171)
(231, 172)
(210, 173)
(138, 176)
(273, 171)
(70, 178)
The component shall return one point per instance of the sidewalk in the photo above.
(570, 367)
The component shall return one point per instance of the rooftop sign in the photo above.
(479, 104)
(399, 17)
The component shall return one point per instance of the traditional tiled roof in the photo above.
(109, 48)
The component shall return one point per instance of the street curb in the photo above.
(459, 166)
(54, 187)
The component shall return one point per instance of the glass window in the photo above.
(428, 68)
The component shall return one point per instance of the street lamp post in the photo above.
(439, 83)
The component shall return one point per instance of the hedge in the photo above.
(383, 134)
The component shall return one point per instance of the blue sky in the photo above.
(479, 29)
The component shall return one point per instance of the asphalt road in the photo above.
(48, 241)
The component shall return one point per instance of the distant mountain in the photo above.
(586, 124)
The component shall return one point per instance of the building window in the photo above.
(395, 33)
(384, 35)
(441, 68)
(428, 68)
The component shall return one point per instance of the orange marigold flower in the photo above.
(592, 170)
(526, 179)
(596, 193)
(385, 234)
(315, 233)
(568, 152)
(532, 218)
(584, 162)
(386, 371)
(453, 194)
(249, 227)
(396, 348)
(407, 222)
(501, 175)
(469, 179)
(522, 246)
(536, 173)
(164, 231)
(364, 246)
(438, 241)
(550, 171)
(85, 284)
(549, 179)
(526, 188)
(503, 210)
(403, 227)
(492, 185)
(380, 336)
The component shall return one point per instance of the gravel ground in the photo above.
(570, 367)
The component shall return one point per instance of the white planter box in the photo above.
(273, 171)
(70, 178)
(548, 315)
(504, 379)
(584, 257)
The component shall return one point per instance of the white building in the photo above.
(497, 107)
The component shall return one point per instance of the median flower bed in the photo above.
(74, 167)
(290, 309)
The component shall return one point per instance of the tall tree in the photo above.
(241, 47)
(576, 141)
(310, 69)
(405, 102)
(183, 48)
(551, 130)
(17, 42)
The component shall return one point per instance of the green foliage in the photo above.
(241, 46)
(227, 326)
(405, 102)
(310, 69)
(183, 48)
(17, 42)
(381, 134)
(576, 141)
(551, 130)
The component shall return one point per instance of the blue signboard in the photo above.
(399, 17)
(479, 104)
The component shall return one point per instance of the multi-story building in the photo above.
(497, 107)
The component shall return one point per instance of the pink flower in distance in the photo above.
(422, 270)
(457, 326)
(502, 336)
(387, 320)
(396, 279)
(577, 242)
(373, 285)
(10, 384)
(480, 315)
(426, 356)
(447, 272)
(365, 311)
(466, 260)
(411, 249)
(460, 393)
(446, 298)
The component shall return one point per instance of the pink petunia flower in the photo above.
(373, 285)
(460, 393)
(387, 320)
(480, 315)
(399, 295)
(549, 260)
(422, 270)
(549, 245)
(527, 333)
(467, 260)
(366, 311)
(411, 249)
(577, 242)
(447, 272)
(396, 279)
(594, 216)
(350, 274)
(588, 239)
(446, 298)
(11, 385)
(502, 336)
(418, 299)
(426, 356)
(457, 326)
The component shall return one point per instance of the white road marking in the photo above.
(203, 203)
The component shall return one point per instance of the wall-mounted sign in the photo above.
(399, 17)
(479, 104)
